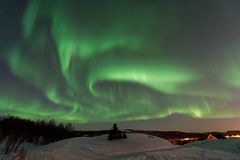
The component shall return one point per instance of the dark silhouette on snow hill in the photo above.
(115, 133)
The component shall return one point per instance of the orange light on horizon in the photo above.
(233, 136)
(188, 139)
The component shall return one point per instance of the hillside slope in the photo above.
(135, 147)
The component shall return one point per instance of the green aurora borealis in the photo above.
(88, 61)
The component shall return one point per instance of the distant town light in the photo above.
(233, 136)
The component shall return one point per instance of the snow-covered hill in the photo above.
(135, 147)
(97, 147)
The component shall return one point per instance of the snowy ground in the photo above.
(21, 151)
(135, 147)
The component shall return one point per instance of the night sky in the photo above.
(158, 64)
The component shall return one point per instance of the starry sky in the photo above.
(156, 64)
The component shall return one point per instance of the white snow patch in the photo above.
(135, 147)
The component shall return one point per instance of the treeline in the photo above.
(15, 131)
